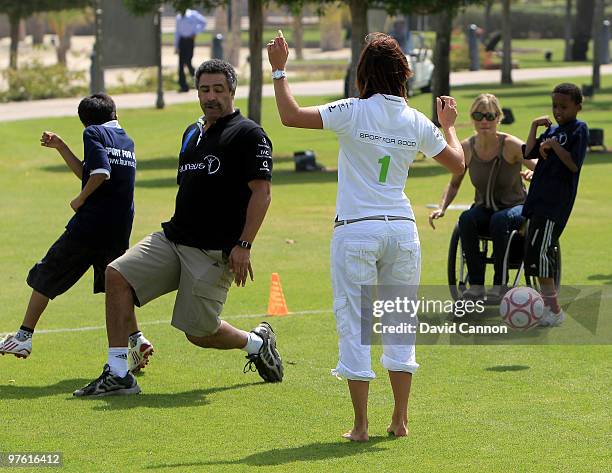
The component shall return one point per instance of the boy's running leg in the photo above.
(20, 343)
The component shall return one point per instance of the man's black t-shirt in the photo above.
(105, 219)
(215, 167)
(553, 187)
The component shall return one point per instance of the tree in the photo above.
(567, 53)
(487, 16)
(235, 36)
(255, 45)
(63, 23)
(598, 16)
(583, 25)
(440, 82)
(18, 10)
(506, 69)
(298, 32)
(359, 19)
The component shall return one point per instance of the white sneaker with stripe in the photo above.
(11, 346)
(139, 353)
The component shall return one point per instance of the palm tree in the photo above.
(63, 23)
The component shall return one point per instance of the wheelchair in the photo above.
(458, 277)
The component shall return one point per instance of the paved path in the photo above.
(68, 107)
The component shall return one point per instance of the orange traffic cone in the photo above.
(276, 304)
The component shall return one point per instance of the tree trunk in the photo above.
(583, 26)
(598, 17)
(440, 82)
(236, 40)
(255, 45)
(359, 29)
(36, 26)
(567, 54)
(506, 70)
(298, 34)
(14, 23)
(330, 27)
(64, 42)
(221, 20)
(487, 17)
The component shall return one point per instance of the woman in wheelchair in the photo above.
(493, 160)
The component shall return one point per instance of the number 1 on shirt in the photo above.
(384, 168)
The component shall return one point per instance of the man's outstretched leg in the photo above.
(259, 343)
(120, 322)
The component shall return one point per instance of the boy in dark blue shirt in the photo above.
(560, 151)
(99, 231)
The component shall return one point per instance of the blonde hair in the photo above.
(490, 103)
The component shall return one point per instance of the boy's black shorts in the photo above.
(540, 243)
(64, 264)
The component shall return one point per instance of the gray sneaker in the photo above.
(109, 384)
(267, 361)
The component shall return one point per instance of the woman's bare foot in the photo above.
(398, 430)
(356, 436)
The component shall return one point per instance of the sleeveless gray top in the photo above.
(498, 183)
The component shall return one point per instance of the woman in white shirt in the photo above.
(375, 240)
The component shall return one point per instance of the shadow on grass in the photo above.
(15, 391)
(305, 453)
(197, 397)
(506, 368)
(607, 278)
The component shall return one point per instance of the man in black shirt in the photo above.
(224, 173)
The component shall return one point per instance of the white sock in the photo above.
(253, 344)
(117, 360)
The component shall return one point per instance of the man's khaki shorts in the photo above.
(156, 266)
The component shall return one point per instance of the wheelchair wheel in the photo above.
(456, 267)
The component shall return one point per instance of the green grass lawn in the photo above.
(529, 53)
(473, 408)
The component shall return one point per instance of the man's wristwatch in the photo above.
(278, 74)
(244, 244)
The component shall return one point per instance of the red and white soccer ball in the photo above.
(521, 308)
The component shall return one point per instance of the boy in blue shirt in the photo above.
(560, 151)
(99, 231)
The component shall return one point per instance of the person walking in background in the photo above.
(188, 24)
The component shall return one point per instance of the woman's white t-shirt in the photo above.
(379, 138)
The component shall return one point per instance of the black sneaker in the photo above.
(267, 361)
(109, 384)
